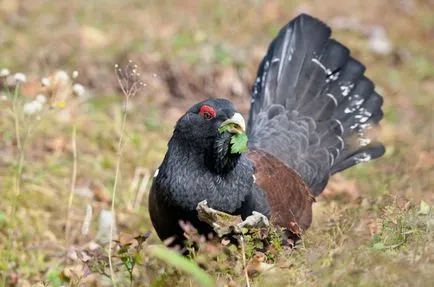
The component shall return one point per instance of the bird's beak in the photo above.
(234, 125)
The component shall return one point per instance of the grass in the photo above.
(374, 229)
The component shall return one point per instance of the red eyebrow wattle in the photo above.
(207, 109)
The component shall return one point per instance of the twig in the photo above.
(128, 81)
(118, 163)
(73, 183)
(246, 274)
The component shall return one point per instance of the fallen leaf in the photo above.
(258, 265)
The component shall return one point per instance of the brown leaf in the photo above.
(258, 265)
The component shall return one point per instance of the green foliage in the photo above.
(239, 143)
(54, 277)
(238, 140)
(398, 228)
(180, 262)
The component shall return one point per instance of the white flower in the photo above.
(61, 76)
(4, 72)
(20, 78)
(75, 74)
(32, 108)
(78, 89)
(41, 99)
(45, 82)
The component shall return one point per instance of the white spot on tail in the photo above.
(338, 152)
(267, 65)
(346, 89)
(365, 126)
(354, 104)
(342, 142)
(156, 173)
(364, 141)
(327, 71)
(333, 98)
(291, 52)
(264, 74)
(332, 159)
(333, 77)
(363, 157)
(341, 127)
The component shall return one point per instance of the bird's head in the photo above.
(215, 130)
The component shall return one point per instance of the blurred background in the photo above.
(61, 119)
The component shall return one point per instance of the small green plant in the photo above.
(398, 227)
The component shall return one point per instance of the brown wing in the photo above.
(289, 197)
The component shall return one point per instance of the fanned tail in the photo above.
(312, 106)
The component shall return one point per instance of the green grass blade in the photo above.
(180, 262)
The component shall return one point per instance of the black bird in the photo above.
(311, 108)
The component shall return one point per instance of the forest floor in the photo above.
(373, 226)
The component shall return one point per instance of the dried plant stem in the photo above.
(20, 157)
(118, 163)
(18, 173)
(73, 183)
(246, 274)
(19, 145)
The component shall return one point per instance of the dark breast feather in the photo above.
(288, 195)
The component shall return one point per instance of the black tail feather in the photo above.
(310, 101)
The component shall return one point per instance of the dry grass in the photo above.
(371, 229)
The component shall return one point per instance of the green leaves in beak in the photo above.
(236, 126)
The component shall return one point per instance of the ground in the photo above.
(372, 227)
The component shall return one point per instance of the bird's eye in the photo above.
(206, 115)
(207, 112)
